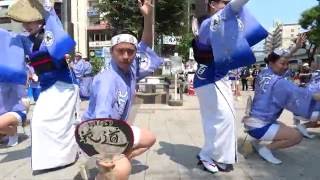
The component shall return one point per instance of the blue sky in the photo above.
(287, 11)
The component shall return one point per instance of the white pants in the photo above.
(218, 116)
(53, 127)
(136, 135)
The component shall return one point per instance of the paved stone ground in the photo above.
(173, 157)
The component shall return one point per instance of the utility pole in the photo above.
(153, 23)
(188, 18)
(66, 16)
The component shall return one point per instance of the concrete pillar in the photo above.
(79, 19)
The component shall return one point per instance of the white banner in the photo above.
(171, 40)
(100, 44)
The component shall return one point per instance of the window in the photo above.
(103, 37)
(292, 30)
(91, 37)
(5, 20)
(97, 37)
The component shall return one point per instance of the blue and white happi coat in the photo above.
(230, 34)
(83, 72)
(113, 89)
(274, 93)
(16, 47)
(54, 114)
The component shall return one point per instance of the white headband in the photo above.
(281, 52)
(124, 38)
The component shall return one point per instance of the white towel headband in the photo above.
(124, 38)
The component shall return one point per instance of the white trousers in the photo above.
(218, 116)
(53, 127)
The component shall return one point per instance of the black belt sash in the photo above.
(42, 62)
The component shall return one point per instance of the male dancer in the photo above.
(227, 35)
(113, 90)
(53, 142)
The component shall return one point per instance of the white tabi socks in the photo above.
(265, 153)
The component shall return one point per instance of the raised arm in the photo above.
(299, 43)
(146, 9)
(298, 100)
(236, 5)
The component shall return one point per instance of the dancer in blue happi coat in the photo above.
(223, 43)
(12, 110)
(83, 72)
(86, 80)
(13, 77)
(45, 44)
(273, 94)
(113, 90)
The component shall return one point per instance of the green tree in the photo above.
(97, 64)
(184, 46)
(171, 19)
(310, 19)
(170, 15)
(122, 14)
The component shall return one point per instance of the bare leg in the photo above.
(8, 124)
(286, 137)
(147, 139)
(121, 169)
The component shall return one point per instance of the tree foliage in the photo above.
(122, 14)
(171, 17)
(185, 45)
(97, 64)
(310, 19)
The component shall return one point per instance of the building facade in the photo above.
(10, 25)
(99, 34)
(289, 33)
(5, 22)
(90, 32)
(281, 36)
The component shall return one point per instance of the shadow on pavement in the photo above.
(182, 154)
(16, 154)
(138, 167)
(22, 138)
(299, 162)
